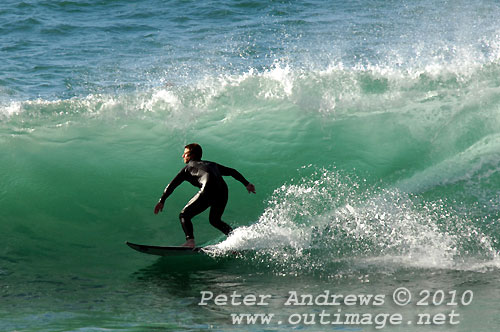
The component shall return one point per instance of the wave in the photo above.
(433, 92)
(384, 145)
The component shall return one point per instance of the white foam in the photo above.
(12, 108)
(383, 226)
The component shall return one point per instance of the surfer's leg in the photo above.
(195, 206)
(216, 211)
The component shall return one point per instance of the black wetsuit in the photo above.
(207, 176)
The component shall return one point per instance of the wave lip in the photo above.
(432, 93)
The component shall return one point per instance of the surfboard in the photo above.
(165, 250)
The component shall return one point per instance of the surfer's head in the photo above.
(192, 151)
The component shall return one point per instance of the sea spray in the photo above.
(328, 217)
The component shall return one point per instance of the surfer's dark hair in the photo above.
(195, 151)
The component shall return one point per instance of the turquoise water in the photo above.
(370, 129)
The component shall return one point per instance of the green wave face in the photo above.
(340, 157)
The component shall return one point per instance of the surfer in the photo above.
(213, 193)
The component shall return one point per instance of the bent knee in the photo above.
(214, 221)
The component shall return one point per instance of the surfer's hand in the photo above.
(251, 188)
(158, 207)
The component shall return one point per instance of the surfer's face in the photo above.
(186, 156)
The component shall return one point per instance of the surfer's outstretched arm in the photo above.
(227, 171)
(179, 178)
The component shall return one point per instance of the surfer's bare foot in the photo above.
(189, 243)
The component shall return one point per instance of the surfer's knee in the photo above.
(214, 221)
(183, 215)
(220, 225)
(215, 216)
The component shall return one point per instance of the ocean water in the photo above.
(371, 130)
